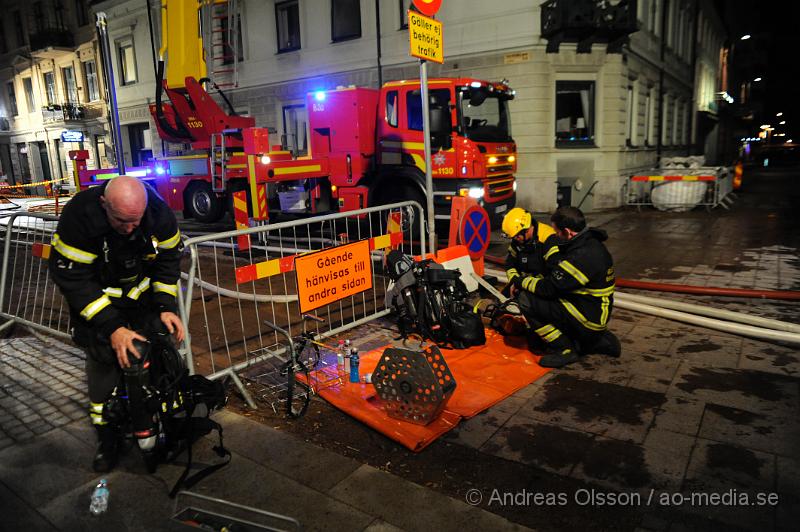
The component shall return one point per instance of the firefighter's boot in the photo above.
(105, 458)
(608, 344)
(559, 353)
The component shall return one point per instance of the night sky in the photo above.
(775, 27)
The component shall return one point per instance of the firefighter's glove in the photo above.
(529, 282)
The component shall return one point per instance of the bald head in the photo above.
(124, 200)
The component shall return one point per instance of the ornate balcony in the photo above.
(70, 112)
(51, 38)
(587, 22)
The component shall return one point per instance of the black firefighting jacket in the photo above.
(534, 257)
(583, 280)
(104, 275)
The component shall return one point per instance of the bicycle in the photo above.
(298, 393)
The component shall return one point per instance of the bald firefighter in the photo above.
(568, 303)
(115, 256)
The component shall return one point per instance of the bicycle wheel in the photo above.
(298, 394)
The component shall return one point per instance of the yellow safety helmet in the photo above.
(516, 220)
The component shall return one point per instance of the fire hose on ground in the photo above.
(762, 328)
(787, 295)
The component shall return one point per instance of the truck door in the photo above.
(443, 156)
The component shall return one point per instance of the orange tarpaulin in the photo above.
(485, 375)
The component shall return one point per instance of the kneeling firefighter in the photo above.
(116, 258)
(568, 302)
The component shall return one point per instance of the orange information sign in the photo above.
(332, 274)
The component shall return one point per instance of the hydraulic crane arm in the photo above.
(192, 115)
(181, 41)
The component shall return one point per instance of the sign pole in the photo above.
(426, 135)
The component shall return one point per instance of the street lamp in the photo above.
(782, 123)
(757, 79)
(779, 114)
(745, 37)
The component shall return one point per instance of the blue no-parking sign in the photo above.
(475, 231)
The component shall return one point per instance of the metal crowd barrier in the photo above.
(673, 192)
(27, 294)
(231, 293)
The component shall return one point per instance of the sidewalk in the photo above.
(46, 479)
(637, 443)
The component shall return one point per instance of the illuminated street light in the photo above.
(757, 79)
(779, 114)
(782, 122)
(765, 126)
(745, 37)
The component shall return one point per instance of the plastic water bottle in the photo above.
(99, 498)
(354, 366)
(340, 356)
(347, 357)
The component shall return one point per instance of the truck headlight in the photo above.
(475, 192)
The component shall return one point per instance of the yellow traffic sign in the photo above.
(425, 37)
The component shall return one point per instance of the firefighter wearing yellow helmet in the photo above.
(533, 246)
(563, 280)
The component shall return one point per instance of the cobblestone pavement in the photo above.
(42, 386)
(685, 414)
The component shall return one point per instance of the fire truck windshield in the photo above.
(484, 115)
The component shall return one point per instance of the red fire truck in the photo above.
(365, 145)
(366, 148)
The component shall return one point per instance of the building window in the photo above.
(27, 84)
(295, 129)
(574, 113)
(232, 48)
(92, 87)
(50, 87)
(58, 10)
(345, 20)
(127, 62)
(391, 108)
(441, 97)
(20, 29)
(633, 116)
(665, 116)
(287, 17)
(687, 124)
(81, 13)
(38, 17)
(70, 84)
(405, 5)
(12, 99)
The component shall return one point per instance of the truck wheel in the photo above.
(397, 194)
(203, 204)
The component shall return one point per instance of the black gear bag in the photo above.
(429, 301)
(157, 392)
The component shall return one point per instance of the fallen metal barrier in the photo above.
(672, 192)
(27, 294)
(239, 280)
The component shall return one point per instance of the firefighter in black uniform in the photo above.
(569, 306)
(115, 256)
(533, 247)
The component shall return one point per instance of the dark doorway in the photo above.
(5, 164)
(44, 157)
(24, 164)
(140, 153)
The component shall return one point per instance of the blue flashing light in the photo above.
(160, 170)
(319, 96)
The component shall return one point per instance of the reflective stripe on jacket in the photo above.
(101, 272)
